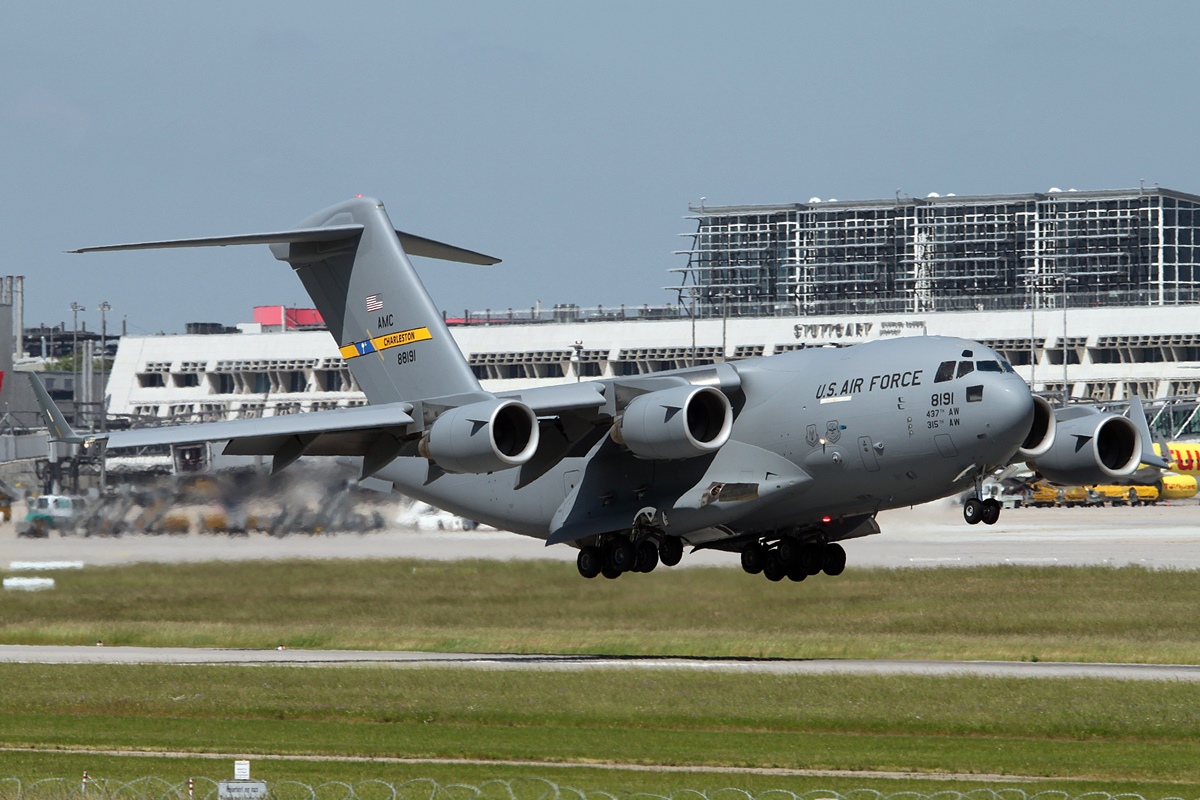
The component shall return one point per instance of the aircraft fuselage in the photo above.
(818, 433)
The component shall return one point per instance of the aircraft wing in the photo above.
(340, 431)
(374, 432)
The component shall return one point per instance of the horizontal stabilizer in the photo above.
(327, 234)
(413, 245)
(428, 248)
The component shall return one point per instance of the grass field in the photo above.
(1070, 735)
(1000, 613)
(1077, 735)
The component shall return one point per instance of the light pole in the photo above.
(104, 306)
(75, 373)
(1032, 329)
(1066, 396)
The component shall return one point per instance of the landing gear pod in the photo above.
(482, 437)
(682, 422)
(1090, 447)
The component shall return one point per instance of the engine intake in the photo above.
(482, 437)
(1041, 434)
(1090, 447)
(682, 422)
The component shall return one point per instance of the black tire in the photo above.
(835, 560)
(812, 558)
(754, 558)
(774, 568)
(590, 561)
(973, 511)
(796, 573)
(991, 511)
(670, 550)
(609, 571)
(647, 557)
(622, 555)
(789, 551)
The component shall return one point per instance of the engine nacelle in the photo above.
(482, 437)
(682, 422)
(1090, 447)
(1041, 434)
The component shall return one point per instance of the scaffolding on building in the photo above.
(1059, 249)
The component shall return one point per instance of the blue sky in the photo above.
(566, 138)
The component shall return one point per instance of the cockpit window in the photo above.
(965, 368)
(989, 366)
(945, 372)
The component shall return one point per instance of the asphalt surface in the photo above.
(37, 654)
(932, 535)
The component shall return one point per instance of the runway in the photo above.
(932, 535)
(37, 654)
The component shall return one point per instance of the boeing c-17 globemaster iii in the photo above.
(776, 458)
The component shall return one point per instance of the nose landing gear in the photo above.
(976, 511)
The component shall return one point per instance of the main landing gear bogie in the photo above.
(620, 554)
(793, 560)
(976, 511)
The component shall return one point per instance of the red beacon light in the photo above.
(826, 519)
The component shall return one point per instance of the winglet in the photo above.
(59, 429)
(1138, 417)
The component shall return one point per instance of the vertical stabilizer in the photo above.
(387, 327)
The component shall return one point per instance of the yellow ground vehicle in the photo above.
(1123, 495)
(1044, 495)
(1177, 487)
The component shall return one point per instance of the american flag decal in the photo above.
(374, 303)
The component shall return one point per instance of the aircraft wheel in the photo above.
(754, 558)
(812, 558)
(622, 555)
(789, 551)
(609, 571)
(835, 559)
(796, 573)
(774, 568)
(973, 511)
(590, 561)
(670, 550)
(991, 511)
(647, 556)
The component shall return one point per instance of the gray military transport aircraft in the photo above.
(777, 458)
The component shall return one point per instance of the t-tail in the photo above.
(354, 264)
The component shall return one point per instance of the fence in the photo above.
(153, 788)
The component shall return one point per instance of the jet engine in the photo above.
(1088, 446)
(681, 422)
(1041, 433)
(482, 437)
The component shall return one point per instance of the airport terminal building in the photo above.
(1093, 292)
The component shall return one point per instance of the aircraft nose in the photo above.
(1009, 411)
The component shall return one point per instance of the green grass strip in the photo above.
(997, 613)
(1083, 730)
